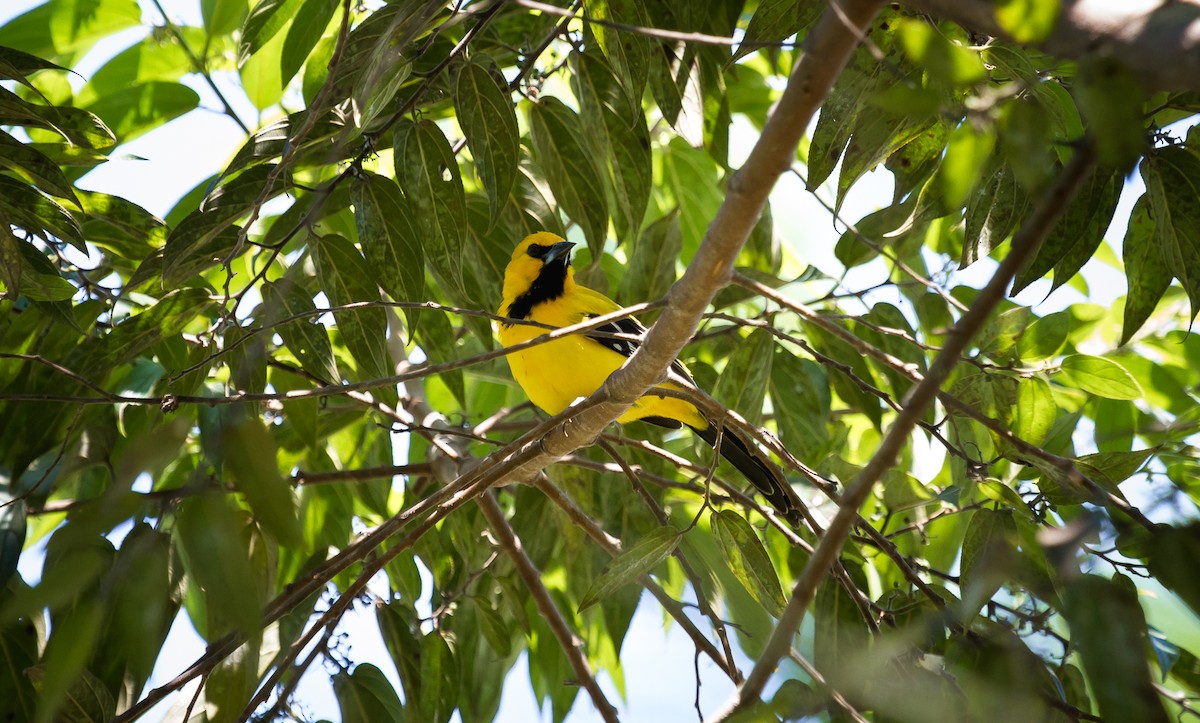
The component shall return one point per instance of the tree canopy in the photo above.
(284, 396)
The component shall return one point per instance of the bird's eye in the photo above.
(537, 251)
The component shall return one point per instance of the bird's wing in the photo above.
(593, 304)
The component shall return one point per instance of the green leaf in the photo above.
(1113, 467)
(1109, 629)
(840, 636)
(366, 696)
(19, 643)
(138, 109)
(1036, 410)
(631, 564)
(743, 383)
(1075, 237)
(121, 226)
(428, 172)
(1145, 268)
(206, 236)
(213, 540)
(65, 687)
(308, 25)
(651, 269)
(774, 21)
(31, 165)
(628, 53)
(1044, 337)
(1100, 376)
(1111, 97)
(1027, 21)
(800, 396)
(993, 214)
(263, 23)
(489, 123)
(572, 169)
(249, 453)
(955, 179)
(345, 278)
(988, 556)
(1172, 177)
(748, 559)
(691, 174)
(12, 535)
(619, 129)
(305, 337)
(390, 242)
(37, 213)
(222, 17)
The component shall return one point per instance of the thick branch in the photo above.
(1159, 40)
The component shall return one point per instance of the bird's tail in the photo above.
(756, 468)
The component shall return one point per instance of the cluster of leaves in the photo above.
(195, 432)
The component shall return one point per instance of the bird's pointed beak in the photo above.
(558, 250)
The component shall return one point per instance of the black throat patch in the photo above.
(546, 287)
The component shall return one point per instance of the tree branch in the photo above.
(1024, 245)
(1159, 40)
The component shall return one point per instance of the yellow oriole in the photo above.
(539, 285)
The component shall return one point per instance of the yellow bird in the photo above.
(539, 285)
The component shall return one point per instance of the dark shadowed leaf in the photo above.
(1109, 628)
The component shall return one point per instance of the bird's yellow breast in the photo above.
(558, 372)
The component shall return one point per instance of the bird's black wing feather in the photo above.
(631, 327)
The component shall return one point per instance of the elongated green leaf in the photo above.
(651, 270)
(628, 53)
(631, 564)
(121, 226)
(249, 452)
(194, 243)
(1172, 177)
(743, 383)
(12, 534)
(619, 130)
(988, 556)
(389, 239)
(37, 213)
(428, 172)
(841, 635)
(489, 122)
(263, 23)
(570, 163)
(1149, 277)
(1173, 561)
(1035, 410)
(346, 278)
(62, 681)
(213, 540)
(33, 166)
(223, 16)
(992, 214)
(304, 337)
(748, 559)
(307, 27)
(774, 21)
(1100, 376)
(141, 108)
(1109, 628)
